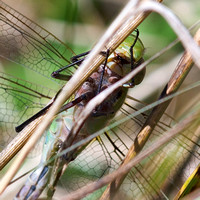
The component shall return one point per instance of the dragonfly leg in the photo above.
(76, 60)
(37, 115)
(101, 78)
(102, 73)
(85, 96)
(133, 64)
(57, 75)
(77, 57)
(28, 121)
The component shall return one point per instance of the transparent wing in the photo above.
(19, 101)
(30, 45)
(156, 177)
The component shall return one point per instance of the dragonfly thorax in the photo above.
(118, 65)
(108, 108)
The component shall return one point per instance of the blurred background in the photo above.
(81, 23)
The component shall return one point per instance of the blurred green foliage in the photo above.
(155, 31)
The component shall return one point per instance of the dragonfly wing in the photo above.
(154, 177)
(30, 45)
(19, 100)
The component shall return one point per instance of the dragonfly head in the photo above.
(122, 56)
(123, 49)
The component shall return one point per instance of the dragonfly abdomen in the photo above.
(35, 184)
(40, 177)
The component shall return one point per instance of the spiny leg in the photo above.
(77, 57)
(57, 75)
(103, 71)
(133, 66)
(35, 116)
(76, 60)
(85, 96)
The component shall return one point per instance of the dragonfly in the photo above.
(107, 74)
(44, 53)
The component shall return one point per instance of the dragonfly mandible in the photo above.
(44, 53)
